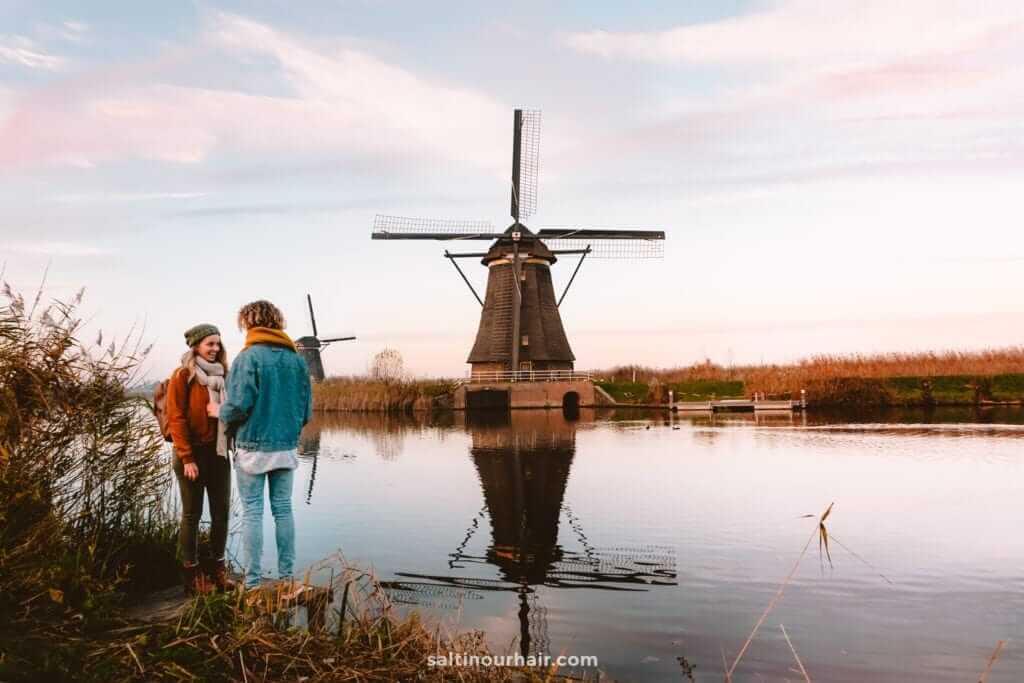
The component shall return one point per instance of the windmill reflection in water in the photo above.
(523, 459)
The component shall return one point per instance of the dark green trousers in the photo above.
(215, 479)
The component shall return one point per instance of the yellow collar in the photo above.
(268, 335)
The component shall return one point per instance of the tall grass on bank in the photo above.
(821, 366)
(247, 637)
(82, 484)
(867, 379)
(358, 394)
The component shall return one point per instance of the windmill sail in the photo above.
(312, 318)
(525, 162)
(405, 228)
(600, 234)
(607, 243)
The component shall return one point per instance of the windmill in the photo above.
(520, 326)
(310, 346)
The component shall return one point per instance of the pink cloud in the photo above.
(898, 77)
(345, 101)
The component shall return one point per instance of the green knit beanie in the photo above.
(196, 334)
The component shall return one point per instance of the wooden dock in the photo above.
(736, 405)
(722, 405)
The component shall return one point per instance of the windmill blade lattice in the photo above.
(529, 163)
(401, 227)
(608, 243)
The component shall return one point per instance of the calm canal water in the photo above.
(639, 538)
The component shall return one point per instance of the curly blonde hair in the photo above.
(260, 313)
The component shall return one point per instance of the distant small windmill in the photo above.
(520, 326)
(310, 346)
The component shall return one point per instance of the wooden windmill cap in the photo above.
(528, 243)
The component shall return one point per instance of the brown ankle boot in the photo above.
(217, 574)
(195, 581)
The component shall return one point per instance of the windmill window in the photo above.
(526, 340)
(525, 366)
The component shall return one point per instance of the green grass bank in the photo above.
(941, 390)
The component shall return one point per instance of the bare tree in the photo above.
(387, 366)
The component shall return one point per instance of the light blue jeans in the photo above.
(250, 492)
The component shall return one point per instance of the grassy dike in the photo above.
(858, 381)
(87, 526)
(942, 390)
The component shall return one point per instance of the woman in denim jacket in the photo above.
(269, 401)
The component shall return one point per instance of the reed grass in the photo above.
(821, 366)
(82, 485)
(365, 394)
(821, 533)
(803, 671)
(252, 636)
(859, 379)
(991, 661)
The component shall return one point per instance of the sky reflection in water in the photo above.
(640, 538)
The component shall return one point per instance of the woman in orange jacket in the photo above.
(200, 450)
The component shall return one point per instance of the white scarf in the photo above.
(211, 376)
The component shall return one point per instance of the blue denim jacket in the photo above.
(269, 398)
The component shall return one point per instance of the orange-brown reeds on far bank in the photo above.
(361, 394)
(866, 379)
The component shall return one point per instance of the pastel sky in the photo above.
(836, 176)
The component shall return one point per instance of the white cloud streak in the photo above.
(55, 249)
(70, 31)
(85, 198)
(829, 34)
(22, 51)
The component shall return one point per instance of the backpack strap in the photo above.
(181, 369)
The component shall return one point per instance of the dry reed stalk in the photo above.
(866, 563)
(779, 592)
(991, 661)
(795, 655)
(142, 669)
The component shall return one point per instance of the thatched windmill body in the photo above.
(520, 327)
